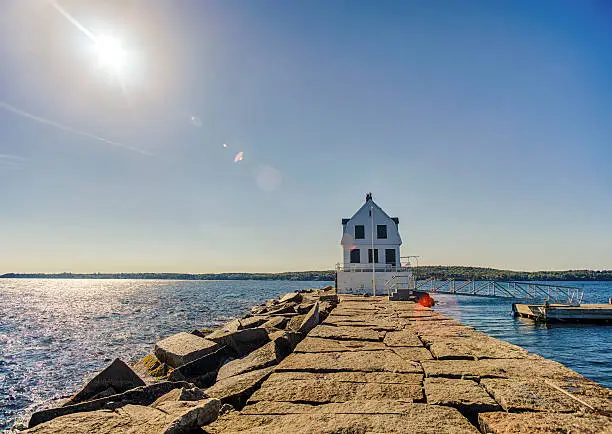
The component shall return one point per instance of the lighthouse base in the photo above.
(361, 282)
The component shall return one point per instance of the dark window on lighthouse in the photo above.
(370, 255)
(359, 232)
(381, 232)
(355, 256)
(390, 256)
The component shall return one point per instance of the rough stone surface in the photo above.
(241, 341)
(404, 338)
(145, 395)
(543, 423)
(346, 376)
(181, 394)
(118, 376)
(319, 392)
(254, 321)
(465, 395)
(342, 418)
(237, 389)
(268, 355)
(150, 368)
(320, 345)
(202, 371)
(532, 366)
(310, 320)
(474, 347)
(167, 418)
(413, 353)
(189, 415)
(530, 395)
(291, 297)
(368, 361)
(277, 322)
(181, 348)
(346, 333)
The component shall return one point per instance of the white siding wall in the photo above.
(362, 217)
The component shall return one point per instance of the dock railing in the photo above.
(530, 291)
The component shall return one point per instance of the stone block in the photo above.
(311, 319)
(530, 395)
(349, 417)
(320, 345)
(277, 322)
(404, 338)
(241, 341)
(237, 389)
(202, 371)
(465, 395)
(346, 333)
(145, 395)
(291, 297)
(118, 376)
(543, 423)
(415, 354)
(182, 348)
(473, 347)
(367, 361)
(268, 355)
(251, 322)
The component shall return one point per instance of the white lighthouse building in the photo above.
(371, 248)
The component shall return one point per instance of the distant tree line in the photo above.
(422, 272)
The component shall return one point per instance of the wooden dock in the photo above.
(379, 366)
(584, 313)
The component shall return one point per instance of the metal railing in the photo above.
(515, 290)
(362, 268)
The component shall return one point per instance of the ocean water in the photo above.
(55, 333)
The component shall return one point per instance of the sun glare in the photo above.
(110, 53)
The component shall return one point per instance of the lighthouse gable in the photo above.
(358, 229)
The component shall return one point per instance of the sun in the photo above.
(110, 53)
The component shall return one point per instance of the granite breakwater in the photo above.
(313, 361)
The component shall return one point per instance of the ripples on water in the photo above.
(586, 349)
(55, 332)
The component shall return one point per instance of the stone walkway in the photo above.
(378, 367)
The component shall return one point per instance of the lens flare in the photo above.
(269, 179)
(239, 156)
(195, 121)
(110, 53)
(225, 145)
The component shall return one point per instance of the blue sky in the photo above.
(486, 127)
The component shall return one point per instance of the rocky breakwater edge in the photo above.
(317, 362)
(191, 377)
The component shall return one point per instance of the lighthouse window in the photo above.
(381, 231)
(370, 255)
(359, 232)
(355, 256)
(390, 256)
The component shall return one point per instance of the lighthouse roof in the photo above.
(370, 203)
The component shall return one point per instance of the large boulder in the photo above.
(241, 341)
(291, 297)
(202, 371)
(151, 369)
(145, 395)
(236, 390)
(177, 417)
(277, 322)
(182, 348)
(310, 320)
(116, 378)
(268, 355)
(250, 322)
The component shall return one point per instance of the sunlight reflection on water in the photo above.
(55, 332)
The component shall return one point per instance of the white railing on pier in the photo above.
(515, 290)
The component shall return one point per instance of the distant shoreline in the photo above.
(423, 272)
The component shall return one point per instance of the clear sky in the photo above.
(486, 127)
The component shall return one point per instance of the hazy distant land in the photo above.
(423, 272)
